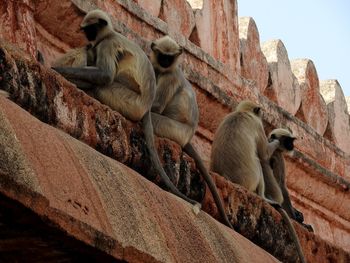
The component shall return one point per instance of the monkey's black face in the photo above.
(91, 31)
(165, 61)
(287, 142)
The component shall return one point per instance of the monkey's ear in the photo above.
(153, 46)
(257, 110)
(273, 136)
(102, 22)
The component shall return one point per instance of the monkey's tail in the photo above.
(293, 233)
(148, 131)
(188, 148)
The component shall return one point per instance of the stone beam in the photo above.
(339, 124)
(313, 109)
(253, 62)
(283, 87)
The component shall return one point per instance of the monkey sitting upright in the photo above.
(122, 78)
(241, 153)
(286, 139)
(175, 112)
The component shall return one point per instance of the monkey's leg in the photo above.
(122, 99)
(272, 188)
(287, 204)
(214, 191)
(172, 129)
(88, 74)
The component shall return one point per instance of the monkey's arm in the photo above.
(91, 75)
(167, 86)
(271, 147)
(171, 129)
(124, 100)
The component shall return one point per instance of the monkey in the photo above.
(241, 153)
(121, 77)
(175, 113)
(286, 139)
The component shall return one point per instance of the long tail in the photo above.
(188, 148)
(148, 131)
(292, 232)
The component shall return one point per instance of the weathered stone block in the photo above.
(18, 25)
(151, 6)
(339, 124)
(217, 29)
(283, 87)
(313, 109)
(179, 16)
(253, 62)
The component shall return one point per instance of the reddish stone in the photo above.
(283, 86)
(151, 6)
(339, 122)
(18, 24)
(179, 16)
(313, 107)
(253, 62)
(217, 28)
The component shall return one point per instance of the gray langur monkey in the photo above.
(122, 77)
(175, 112)
(241, 153)
(277, 164)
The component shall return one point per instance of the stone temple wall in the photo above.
(225, 62)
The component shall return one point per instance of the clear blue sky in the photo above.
(314, 29)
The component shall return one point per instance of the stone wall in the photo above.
(225, 63)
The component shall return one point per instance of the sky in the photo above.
(315, 29)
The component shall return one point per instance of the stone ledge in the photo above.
(55, 101)
(89, 195)
(103, 203)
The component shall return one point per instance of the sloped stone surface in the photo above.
(313, 107)
(253, 62)
(151, 6)
(105, 204)
(339, 123)
(283, 86)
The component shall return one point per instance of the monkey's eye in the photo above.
(165, 61)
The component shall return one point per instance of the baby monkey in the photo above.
(175, 112)
(277, 164)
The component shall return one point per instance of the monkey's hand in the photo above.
(92, 75)
(156, 107)
(299, 217)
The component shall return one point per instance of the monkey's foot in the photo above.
(4, 93)
(196, 208)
